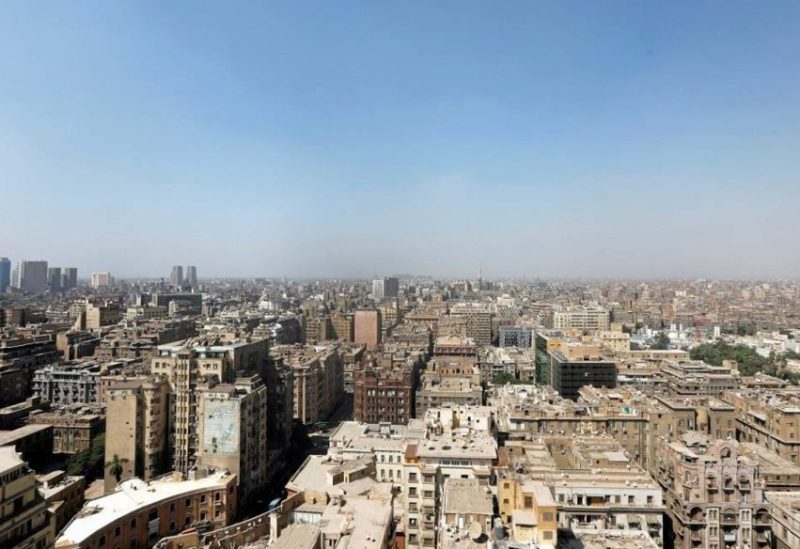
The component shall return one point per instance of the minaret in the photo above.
(480, 277)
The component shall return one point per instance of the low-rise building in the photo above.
(138, 513)
(23, 512)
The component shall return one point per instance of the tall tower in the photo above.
(191, 276)
(176, 276)
(5, 274)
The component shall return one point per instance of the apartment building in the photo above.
(478, 320)
(138, 513)
(187, 363)
(462, 451)
(384, 393)
(232, 431)
(695, 377)
(65, 384)
(714, 494)
(24, 523)
(318, 379)
(590, 319)
(137, 412)
(769, 418)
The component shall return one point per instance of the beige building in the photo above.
(595, 319)
(770, 418)
(137, 413)
(23, 512)
(232, 431)
(318, 379)
(714, 494)
(187, 363)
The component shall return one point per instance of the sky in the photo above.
(354, 139)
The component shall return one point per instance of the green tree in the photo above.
(661, 342)
(89, 462)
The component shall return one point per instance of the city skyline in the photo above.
(537, 140)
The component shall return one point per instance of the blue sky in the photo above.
(636, 139)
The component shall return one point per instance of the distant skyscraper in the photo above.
(385, 287)
(176, 276)
(191, 276)
(54, 279)
(69, 278)
(31, 276)
(5, 274)
(101, 280)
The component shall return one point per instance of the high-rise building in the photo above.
(191, 276)
(387, 286)
(136, 440)
(367, 328)
(232, 431)
(54, 279)
(176, 276)
(101, 280)
(31, 276)
(69, 278)
(5, 274)
(186, 364)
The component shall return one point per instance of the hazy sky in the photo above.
(350, 139)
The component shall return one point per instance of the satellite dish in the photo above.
(475, 531)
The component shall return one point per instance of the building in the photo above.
(385, 287)
(61, 384)
(318, 379)
(137, 412)
(73, 428)
(466, 511)
(232, 432)
(54, 279)
(102, 280)
(34, 442)
(176, 276)
(478, 321)
(515, 336)
(785, 518)
(5, 274)
(590, 319)
(19, 359)
(589, 479)
(574, 366)
(367, 328)
(187, 363)
(453, 448)
(138, 513)
(64, 496)
(23, 512)
(383, 394)
(768, 418)
(695, 377)
(714, 495)
(191, 276)
(69, 278)
(343, 326)
(31, 276)
(102, 314)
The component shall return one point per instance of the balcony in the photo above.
(762, 538)
(729, 538)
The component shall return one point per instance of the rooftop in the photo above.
(130, 496)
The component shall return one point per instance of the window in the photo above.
(547, 516)
(133, 524)
(548, 534)
(188, 503)
(528, 502)
(117, 531)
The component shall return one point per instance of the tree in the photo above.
(661, 342)
(89, 462)
(115, 467)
